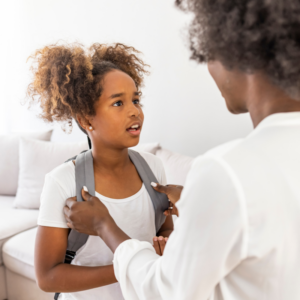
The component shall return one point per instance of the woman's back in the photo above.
(266, 170)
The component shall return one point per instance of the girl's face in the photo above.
(119, 117)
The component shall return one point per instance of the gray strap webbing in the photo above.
(160, 201)
(84, 174)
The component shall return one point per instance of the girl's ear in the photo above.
(83, 122)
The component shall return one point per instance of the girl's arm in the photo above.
(55, 276)
(167, 228)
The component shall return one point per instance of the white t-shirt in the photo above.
(134, 215)
(238, 234)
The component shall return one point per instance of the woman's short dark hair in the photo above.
(250, 35)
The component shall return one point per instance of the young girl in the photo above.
(100, 89)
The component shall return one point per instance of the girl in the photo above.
(101, 91)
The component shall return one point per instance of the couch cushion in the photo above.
(37, 158)
(18, 253)
(14, 221)
(176, 165)
(9, 158)
(3, 292)
(147, 147)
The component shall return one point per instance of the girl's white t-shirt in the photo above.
(134, 215)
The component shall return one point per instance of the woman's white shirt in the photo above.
(135, 215)
(238, 234)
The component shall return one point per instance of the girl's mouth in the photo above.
(134, 129)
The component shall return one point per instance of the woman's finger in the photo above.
(167, 212)
(70, 225)
(156, 246)
(71, 201)
(66, 213)
(162, 244)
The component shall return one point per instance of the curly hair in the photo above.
(250, 35)
(67, 79)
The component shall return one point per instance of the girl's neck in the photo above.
(110, 159)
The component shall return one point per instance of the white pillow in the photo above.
(9, 158)
(149, 147)
(38, 158)
(176, 165)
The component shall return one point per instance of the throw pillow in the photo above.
(148, 147)
(38, 158)
(9, 159)
(176, 165)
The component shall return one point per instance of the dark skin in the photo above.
(117, 109)
(243, 92)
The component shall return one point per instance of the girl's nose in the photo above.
(134, 111)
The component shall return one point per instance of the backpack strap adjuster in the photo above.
(70, 255)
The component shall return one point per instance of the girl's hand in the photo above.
(159, 244)
(173, 192)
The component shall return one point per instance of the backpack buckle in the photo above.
(70, 255)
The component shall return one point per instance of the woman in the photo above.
(238, 231)
(100, 89)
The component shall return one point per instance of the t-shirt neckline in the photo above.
(136, 195)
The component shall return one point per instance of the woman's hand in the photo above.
(159, 244)
(173, 192)
(87, 216)
(93, 218)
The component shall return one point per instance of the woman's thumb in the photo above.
(160, 188)
(85, 193)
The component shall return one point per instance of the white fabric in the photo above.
(176, 165)
(18, 253)
(37, 158)
(237, 237)
(147, 147)
(9, 159)
(135, 215)
(14, 221)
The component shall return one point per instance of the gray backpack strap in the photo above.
(160, 201)
(84, 176)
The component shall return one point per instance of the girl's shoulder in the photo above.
(63, 174)
(154, 162)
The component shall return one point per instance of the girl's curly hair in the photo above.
(68, 79)
(250, 35)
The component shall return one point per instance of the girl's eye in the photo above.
(118, 103)
(136, 101)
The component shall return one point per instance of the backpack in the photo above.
(84, 176)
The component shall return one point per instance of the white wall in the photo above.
(183, 108)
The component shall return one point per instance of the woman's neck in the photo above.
(265, 99)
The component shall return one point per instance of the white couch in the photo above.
(18, 230)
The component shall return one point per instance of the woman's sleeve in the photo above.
(53, 199)
(209, 240)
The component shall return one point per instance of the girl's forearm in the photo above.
(65, 278)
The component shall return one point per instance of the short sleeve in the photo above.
(53, 199)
